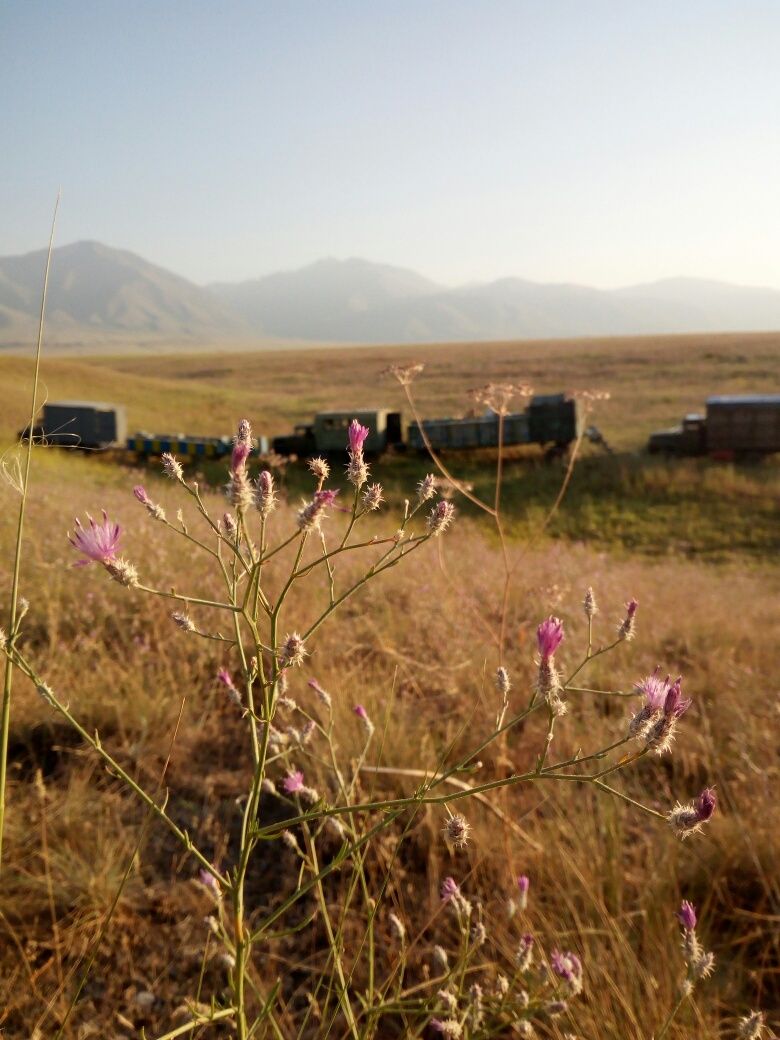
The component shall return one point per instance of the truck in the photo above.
(734, 426)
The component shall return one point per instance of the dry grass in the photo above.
(418, 652)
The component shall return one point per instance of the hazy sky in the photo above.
(599, 142)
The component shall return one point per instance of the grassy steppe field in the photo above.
(693, 541)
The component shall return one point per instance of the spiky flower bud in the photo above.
(503, 685)
(589, 604)
(456, 831)
(265, 494)
(293, 650)
(320, 468)
(751, 1027)
(686, 915)
(440, 517)
(426, 488)
(229, 525)
(184, 621)
(323, 695)
(373, 497)
(172, 466)
(450, 1028)
(311, 513)
(525, 953)
(123, 572)
(357, 469)
(688, 819)
(362, 714)
(627, 627)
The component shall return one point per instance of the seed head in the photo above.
(320, 468)
(405, 374)
(172, 467)
(440, 517)
(456, 831)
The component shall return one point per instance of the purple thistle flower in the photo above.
(450, 889)
(568, 967)
(224, 677)
(140, 493)
(688, 819)
(523, 884)
(549, 636)
(654, 689)
(99, 543)
(686, 915)
(357, 437)
(293, 782)
(361, 712)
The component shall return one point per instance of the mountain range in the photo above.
(101, 294)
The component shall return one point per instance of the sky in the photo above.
(606, 142)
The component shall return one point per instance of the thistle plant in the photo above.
(304, 807)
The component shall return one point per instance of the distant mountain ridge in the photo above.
(97, 291)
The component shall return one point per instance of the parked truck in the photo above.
(734, 426)
(80, 424)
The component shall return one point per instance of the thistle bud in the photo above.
(373, 497)
(627, 627)
(589, 604)
(426, 488)
(229, 525)
(523, 884)
(293, 650)
(320, 468)
(688, 819)
(456, 831)
(503, 685)
(184, 621)
(751, 1027)
(265, 494)
(172, 467)
(440, 517)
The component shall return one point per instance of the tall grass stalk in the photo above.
(5, 722)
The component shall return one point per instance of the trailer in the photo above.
(327, 434)
(549, 419)
(94, 425)
(734, 426)
(149, 445)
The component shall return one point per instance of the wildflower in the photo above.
(310, 515)
(184, 621)
(357, 435)
(449, 1028)
(664, 706)
(627, 627)
(404, 373)
(688, 819)
(323, 695)
(208, 881)
(450, 889)
(426, 488)
(373, 497)
(751, 1027)
(171, 466)
(293, 650)
(525, 953)
(320, 468)
(293, 782)
(503, 685)
(568, 967)
(523, 884)
(362, 714)
(397, 927)
(265, 494)
(449, 1001)
(589, 603)
(456, 830)
(440, 517)
(99, 543)
(549, 636)
(686, 915)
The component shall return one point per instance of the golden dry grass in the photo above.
(418, 651)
